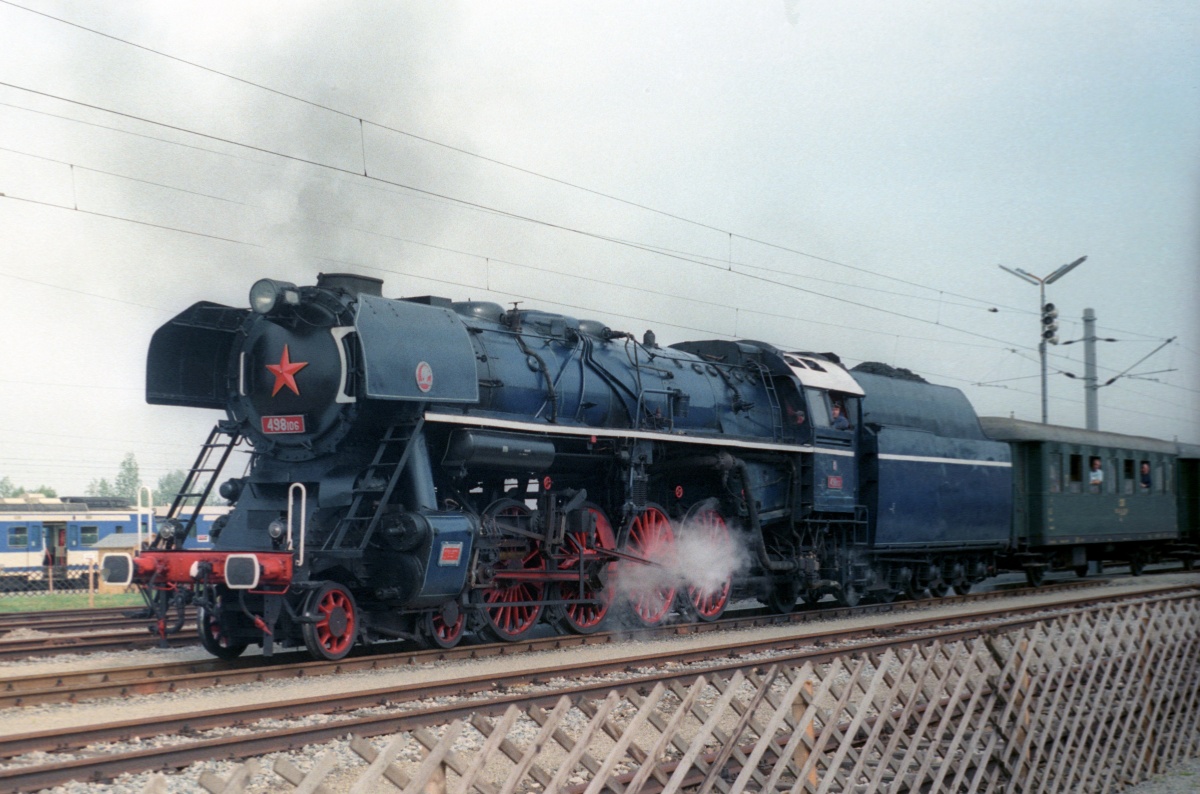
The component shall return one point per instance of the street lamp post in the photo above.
(1047, 311)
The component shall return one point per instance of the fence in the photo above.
(40, 580)
(1093, 702)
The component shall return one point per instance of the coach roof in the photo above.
(1005, 429)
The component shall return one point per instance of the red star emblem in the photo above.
(285, 372)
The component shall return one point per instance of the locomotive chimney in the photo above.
(351, 283)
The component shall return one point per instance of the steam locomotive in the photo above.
(420, 468)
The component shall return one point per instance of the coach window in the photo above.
(1145, 478)
(1127, 476)
(89, 535)
(18, 537)
(1075, 476)
(1054, 472)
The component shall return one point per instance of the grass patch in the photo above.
(44, 602)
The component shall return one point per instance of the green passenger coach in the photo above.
(1187, 484)
(1083, 496)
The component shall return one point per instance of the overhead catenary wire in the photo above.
(598, 193)
(361, 119)
(530, 297)
(517, 216)
(455, 200)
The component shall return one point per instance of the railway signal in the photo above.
(1049, 313)
(1050, 324)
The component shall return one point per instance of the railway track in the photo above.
(408, 705)
(66, 621)
(93, 642)
(26, 635)
(111, 629)
(122, 681)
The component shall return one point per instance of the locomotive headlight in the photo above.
(268, 293)
(276, 528)
(170, 529)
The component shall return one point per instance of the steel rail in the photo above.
(56, 644)
(72, 687)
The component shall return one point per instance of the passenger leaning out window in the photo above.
(1095, 476)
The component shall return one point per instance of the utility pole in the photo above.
(1091, 384)
(1048, 313)
(1090, 387)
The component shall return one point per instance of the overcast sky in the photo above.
(838, 177)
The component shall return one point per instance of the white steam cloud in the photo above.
(700, 558)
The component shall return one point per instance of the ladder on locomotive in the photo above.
(772, 400)
(200, 478)
(374, 488)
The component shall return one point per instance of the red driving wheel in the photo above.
(649, 588)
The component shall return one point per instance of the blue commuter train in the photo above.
(421, 468)
(44, 536)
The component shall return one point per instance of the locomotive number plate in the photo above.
(283, 424)
(834, 482)
(451, 554)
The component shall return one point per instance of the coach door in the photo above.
(56, 544)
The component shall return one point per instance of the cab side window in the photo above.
(818, 406)
(843, 410)
(793, 412)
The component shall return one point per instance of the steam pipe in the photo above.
(418, 490)
(551, 389)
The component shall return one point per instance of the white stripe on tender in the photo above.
(958, 461)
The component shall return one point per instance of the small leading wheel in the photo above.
(586, 602)
(444, 626)
(706, 536)
(214, 640)
(650, 589)
(939, 588)
(333, 622)
(512, 606)
(961, 586)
